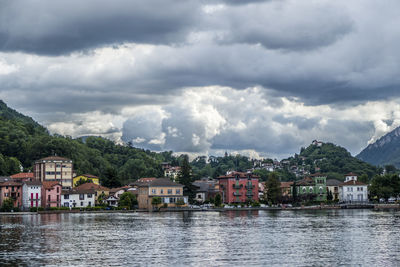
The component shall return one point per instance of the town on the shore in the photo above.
(53, 185)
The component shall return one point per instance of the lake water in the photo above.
(252, 238)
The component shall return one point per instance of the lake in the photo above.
(253, 238)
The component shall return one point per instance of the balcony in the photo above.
(249, 194)
(250, 186)
(237, 194)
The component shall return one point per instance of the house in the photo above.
(99, 191)
(23, 177)
(313, 186)
(10, 189)
(112, 201)
(51, 194)
(206, 189)
(353, 190)
(238, 187)
(78, 198)
(117, 192)
(31, 194)
(286, 188)
(172, 172)
(87, 177)
(54, 169)
(169, 192)
(332, 185)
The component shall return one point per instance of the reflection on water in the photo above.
(301, 238)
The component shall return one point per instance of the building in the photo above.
(31, 194)
(112, 201)
(78, 198)
(170, 193)
(238, 187)
(313, 187)
(172, 172)
(332, 185)
(286, 188)
(51, 194)
(99, 191)
(206, 189)
(10, 189)
(54, 169)
(86, 177)
(353, 190)
(23, 177)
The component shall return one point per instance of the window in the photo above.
(162, 191)
(66, 196)
(58, 198)
(81, 204)
(48, 198)
(90, 204)
(169, 191)
(81, 196)
(58, 189)
(361, 188)
(6, 187)
(58, 165)
(178, 191)
(153, 191)
(172, 200)
(89, 196)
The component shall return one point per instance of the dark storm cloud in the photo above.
(57, 27)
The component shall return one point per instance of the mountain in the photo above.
(385, 151)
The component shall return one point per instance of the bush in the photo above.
(165, 205)
(255, 204)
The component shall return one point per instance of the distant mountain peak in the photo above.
(384, 151)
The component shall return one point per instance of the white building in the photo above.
(78, 198)
(352, 190)
(31, 194)
(112, 201)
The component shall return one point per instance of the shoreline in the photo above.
(376, 207)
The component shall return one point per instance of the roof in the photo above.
(333, 182)
(4, 179)
(88, 176)
(240, 174)
(306, 181)
(22, 175)
(54, 158)
(114, 190)
(10, 183)
(92, 186)
(74, 191)
(286, 184)
(147, 179)
(50, 184)
(161, 182)
(33, 183)
(352, 182)
(205, 185)
(351, 174)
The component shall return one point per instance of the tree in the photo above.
(185, 179)
(128, 200)
(8, 205)
(329, 196)
(217, 200)
(273, 187)
(82, 181)
(101, 199)
(111, 180)
(294, 192)
(364, 178)
(385, 186)
(155, 201)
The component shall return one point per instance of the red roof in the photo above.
(50, 184)
(145, 180)
(241, 175)
(351, 174)
(87, 186)
(286, 184)
(352, 182)
(22, 175)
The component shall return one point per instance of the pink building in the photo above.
(238, 187)
(51, 194)
(10, 189)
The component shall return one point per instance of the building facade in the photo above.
(86, 177)
(313, 186)
(23, 177)
(353, 190)
(51, 194)
(169, 192)
(332, 186)
(54, 169)
(99, 191)
(238, 187)
(31, 195)
(78, 198)
(206, 189)
(10, 189)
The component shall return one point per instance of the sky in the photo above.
(259, 78)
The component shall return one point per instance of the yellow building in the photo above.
(99, 190)
(168, 191)
(90, 177)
